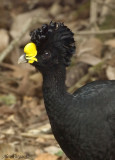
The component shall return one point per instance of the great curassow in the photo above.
(83, 123)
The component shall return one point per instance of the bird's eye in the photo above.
(46, 55)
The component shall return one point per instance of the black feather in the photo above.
(55, 35)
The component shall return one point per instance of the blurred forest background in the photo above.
(24, 127)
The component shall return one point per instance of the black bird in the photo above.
(83, 123)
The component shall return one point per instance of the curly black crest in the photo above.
(55, 35)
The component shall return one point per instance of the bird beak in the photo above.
(22, 59)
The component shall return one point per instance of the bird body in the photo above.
(88, 132)
(83, 123)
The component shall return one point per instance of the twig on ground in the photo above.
(108, 31)
(105, 4)
(45, 136)
(93, 14)
(104, 11)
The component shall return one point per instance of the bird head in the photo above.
(51, 45)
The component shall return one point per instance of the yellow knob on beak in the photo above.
(30, 51)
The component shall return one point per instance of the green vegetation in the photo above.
(9, 99)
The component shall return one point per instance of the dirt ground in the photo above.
(25, 132)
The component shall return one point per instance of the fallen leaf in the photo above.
(37, 78)
(52, 149)
(2, 122)
(38, 151)
(4, 39)
(110, 72)
(94, 44)
(89, 59)
(17, 26)
(5, 149)
(55, 9)
(46, 156)
(110, 43)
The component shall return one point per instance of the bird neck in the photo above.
(54, 80)
(54, 91)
